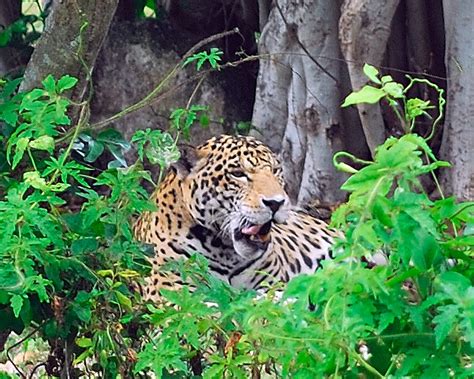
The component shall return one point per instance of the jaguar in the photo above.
(226, 199)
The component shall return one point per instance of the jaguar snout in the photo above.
(278, 207)
(274, 205)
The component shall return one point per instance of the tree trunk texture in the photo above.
(297, 106)
(458, 136)
(264, 7)
(64, 48)
(364, 29)
(10, 58)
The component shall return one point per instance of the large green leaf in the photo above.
(366, 94)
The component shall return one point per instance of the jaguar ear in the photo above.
(188, 159)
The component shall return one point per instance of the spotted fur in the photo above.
(226, 200)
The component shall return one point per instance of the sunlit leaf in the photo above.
(367, 94)
(372, 73)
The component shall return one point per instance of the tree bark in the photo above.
(73, 35)
(364, 29)
(10, 58)
(418, 36)
(458, 135)
(263, 12)
(297, 107)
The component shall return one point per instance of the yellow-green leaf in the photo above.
(367, 94)
(34, 179)
(43, 143)
(371, 72)
(124, 300)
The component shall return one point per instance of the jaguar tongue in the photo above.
(257, 234)
(251, 230)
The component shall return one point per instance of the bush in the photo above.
(68, 254)
(68, 261)
(411, 317)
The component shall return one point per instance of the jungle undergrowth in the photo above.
(67, 272)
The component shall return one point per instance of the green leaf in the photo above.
(85, 354)
(65, 83)
(59, 187)
(120, 160)
(445, 322)
(213, 57)
(16, 303)
(204, 120)
(49, 85)
(5, 37)
(386, 79)
(123, 300)
(43, 143)
(29, 100)
(214, 371)
(113, 137)
(95, 150)
(453, 283)
(10, 87)
(82, 307)
(84, 245)
(20, 148)
(367, 94)
(394, 89)
(416, 107)
(33, 179)
(84, 342)
(372, 73)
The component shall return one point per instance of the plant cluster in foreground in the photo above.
(68, 260)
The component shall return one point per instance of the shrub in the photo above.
(68, 254)
(68, 260)
(411, 317)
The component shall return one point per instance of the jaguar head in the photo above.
(234, 187)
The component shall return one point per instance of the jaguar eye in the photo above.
(238, 174)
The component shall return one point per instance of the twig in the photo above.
(188, 104)
(19, 342)
(31, 376)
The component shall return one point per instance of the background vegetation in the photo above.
(69, 189)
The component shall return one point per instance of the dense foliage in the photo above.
(68, 260)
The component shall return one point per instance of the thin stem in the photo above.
(392, 365)
(461, 210)
(33, 163)
(364, 363)
(82, 120)
(188, 104)
(398, 335)
(441, 101)
(326, 312)
(271, 335)
(394, 106)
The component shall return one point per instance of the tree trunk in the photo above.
(364, 29)
(297, 106)
(263, 12)
(458, 135)
(73, 35)
(10, 58)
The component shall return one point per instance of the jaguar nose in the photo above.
(274, 205)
